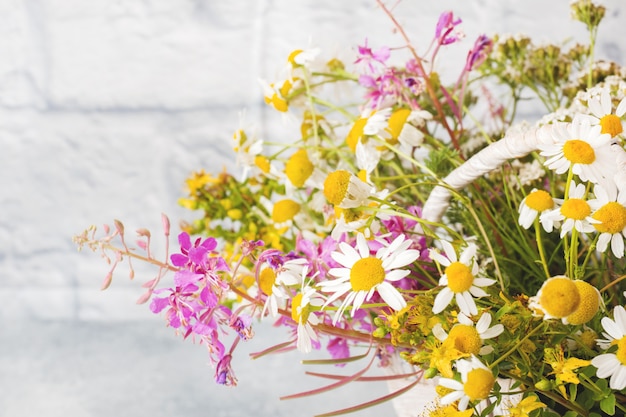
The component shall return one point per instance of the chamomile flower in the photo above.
(476, 384)
(301, 172)
(272, 282)
(613, 364)
(558, 297)
(588, 306)
(361, 274)
(302, 305)
(578, 146)
(610, 212)
(467, 337)
(346, 190)
(459, 279)
(601, 108)
(536, 202)
(575, 212)
(402, 126)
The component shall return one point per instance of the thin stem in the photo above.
(540, 248)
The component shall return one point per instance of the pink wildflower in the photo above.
(445, 33)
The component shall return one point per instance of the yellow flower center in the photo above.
(296, 302)
(240, 136)
(559, 297)
(366, 273)
(575, 208)
(588, 338)
(355, 133)
(279, 103)
(479, 384)
(285, 210)
(263, 163)
(465, 338)
(460, 277)
(396, 123)
(336, 186)
(284, 91)
(588, 305)
(613, 218)
(579, 152)
(450, 411)
(292, 57)
(611, 124)
(539, 200)
(299, 168)
(621, 350)
(267, 277)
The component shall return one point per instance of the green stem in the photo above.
(517, 345)
(540, 248)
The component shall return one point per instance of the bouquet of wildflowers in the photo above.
(412, 218)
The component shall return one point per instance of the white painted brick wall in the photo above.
(107, 105)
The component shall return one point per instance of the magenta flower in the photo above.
(445, 26)
(193, 255)
(478, 54)
(224, 374)
(242, 324)
(368, 57)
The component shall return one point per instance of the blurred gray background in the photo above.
(106, 106)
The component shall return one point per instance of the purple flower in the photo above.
(445, 27)
(368, 57)
(478, 54)
(338, 349)
(224, 374)
(193, 255)
(242, 325)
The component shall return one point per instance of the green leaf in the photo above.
(571, 414)
(608, 405)
(573, 390)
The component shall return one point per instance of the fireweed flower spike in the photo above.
(360, 274)
(459, 279)
(613, 364)
(446, 31)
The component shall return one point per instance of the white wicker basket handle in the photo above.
(511, 146)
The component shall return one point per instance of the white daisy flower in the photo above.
(468, 338)
(536, 202)
(361, 275)
(273, 283)
(601, 108)
(459, 279)
(376, 122)
(578, 146)
(303, 57)
(609, 208)
(301, 313)
(476, 384)
(575, 212)
(402, 126)
(613, 364)
(346, 190)
(301, 172)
